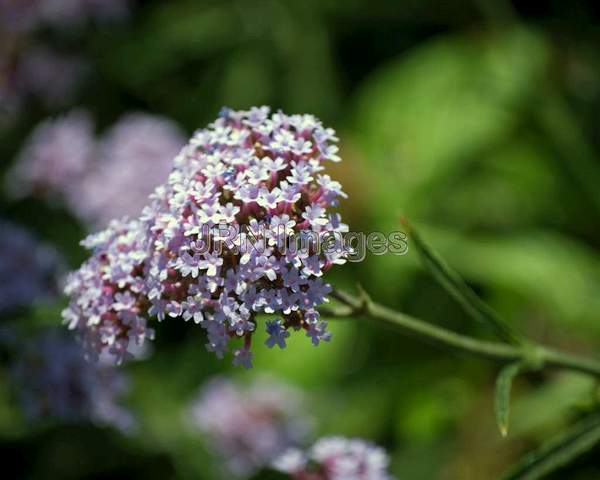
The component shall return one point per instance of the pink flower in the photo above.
(251, 176)
(336, 458)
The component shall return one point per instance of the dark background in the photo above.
(476, 120)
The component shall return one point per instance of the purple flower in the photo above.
(248, 426)
(55, 157)
(269, 199)
(54, 380)
(243, 357)
(315, 215)
(99, 179)
(211, 264)
(277, 334)
(318, 333)
(107, 297)
(300, 175)
(28, 269)
(274, 165)
(131, 160)
(189, 264)
(336, 458)
(247, 178)
(50, 76)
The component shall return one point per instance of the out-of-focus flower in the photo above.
(17, 16)
(249, 426)
(40, 73)
(69, 13)
(54, 380)
(28, 268)
(55, 157)
(26, 15)
(336, 458)
(98, 179)
(49, 76)
(134, 157)
(221, 234)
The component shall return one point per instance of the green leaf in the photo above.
(423, 119)
(459, 290)
(576, 153)
(526, 264)
(559, 394)
(502, 398)
(560, 451)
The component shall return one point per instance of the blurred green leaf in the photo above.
(428, 411)
(502, 396)
(560, 451)
(559, 396)
(514, 187)
(214, 54)
(169, 35)
(547, 271)
(422, 117)
(459, 290)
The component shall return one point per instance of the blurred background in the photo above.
(478, 120)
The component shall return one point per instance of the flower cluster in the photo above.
(249, 426)
(248, 173)
(99, 179)
(336, 458)
(55, 156)
(54, 380)
(109, 294)
(28, 268)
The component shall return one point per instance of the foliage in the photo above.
(480, 128)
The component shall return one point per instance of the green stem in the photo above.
(503, 353)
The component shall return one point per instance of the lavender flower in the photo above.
(38, 73)
(249, 426)
(28, 269)
(49, 76)
(54, 380)
(231, 178)
(18, 16)
(109, 296)
(133, 158)
(55, 156)
(69, 13)
(98, 179)
(336, 458)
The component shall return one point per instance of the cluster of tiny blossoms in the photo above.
(249, 426)
(54, 380)
(108, 293)
(336, 458)
(217, 238)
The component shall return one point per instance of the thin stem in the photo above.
(530, 353)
